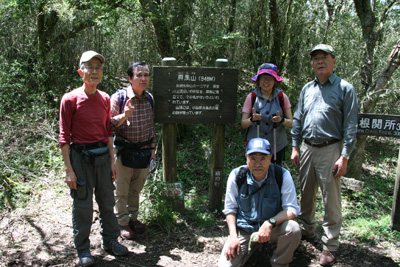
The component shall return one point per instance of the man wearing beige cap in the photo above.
(86, 144)
(326, 120)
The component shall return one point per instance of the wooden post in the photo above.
(395, 222)
(169, 148)
(218, 151)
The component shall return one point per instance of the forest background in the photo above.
(41, 42)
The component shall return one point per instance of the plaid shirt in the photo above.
(141, 121)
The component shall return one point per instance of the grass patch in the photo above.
(371, 230)
(29, 154)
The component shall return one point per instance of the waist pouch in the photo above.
(96, 156)
(132, 155)
(135, 158)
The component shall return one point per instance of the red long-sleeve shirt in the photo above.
(84, 118)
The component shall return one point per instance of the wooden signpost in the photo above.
(384, 125)
(195, 95)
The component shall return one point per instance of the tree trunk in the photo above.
(372, 91)
(276, 51)
(254, 32)
(161, 27)
(369, 103)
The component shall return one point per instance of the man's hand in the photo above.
(264, 233)
(128, 109)
(70, 178)
(340, 167)
(113, 171)
(295, 156)
(233, 248)
(153, 155)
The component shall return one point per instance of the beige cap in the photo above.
(88, 55)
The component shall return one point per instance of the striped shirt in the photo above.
(141, 121)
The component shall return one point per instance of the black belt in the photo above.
(88, 146)
(321, 144)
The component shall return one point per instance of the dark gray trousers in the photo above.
(97, 180)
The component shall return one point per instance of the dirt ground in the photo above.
(41, 235)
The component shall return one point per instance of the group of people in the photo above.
(108, 143)
(260, 201)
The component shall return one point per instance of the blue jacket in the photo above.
(255, 207)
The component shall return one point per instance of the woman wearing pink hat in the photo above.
(270, 109)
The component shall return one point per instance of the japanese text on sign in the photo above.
(187, 94)
(380, 125)
(173, 190)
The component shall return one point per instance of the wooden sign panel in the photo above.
(195, 94)
(379, 125)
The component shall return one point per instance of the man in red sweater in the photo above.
(86, 145)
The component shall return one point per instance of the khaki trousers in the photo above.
(316, 170)
(128, 185)
(287, 235)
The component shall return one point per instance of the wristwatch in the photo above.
(272, 221)
(251, 118)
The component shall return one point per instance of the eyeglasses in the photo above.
(322, 58)
(91, 69)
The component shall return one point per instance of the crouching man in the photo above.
(260, 206)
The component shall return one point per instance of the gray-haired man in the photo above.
(86, 145)
(326, 120)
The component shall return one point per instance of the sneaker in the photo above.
(126, 232)
(85, 259)
(114, 247)
(137, 226)
(327, 258)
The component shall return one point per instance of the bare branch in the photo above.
(382, 80)
(384, 17)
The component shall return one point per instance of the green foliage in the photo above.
(156, 208)
(366, 215)
(371, 230)
(28, 153)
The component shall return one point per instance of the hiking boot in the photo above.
(126, 232)
(137, 226)
(326, 258)
(85, 259)
(115, 248)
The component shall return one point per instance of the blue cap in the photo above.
(260, 145)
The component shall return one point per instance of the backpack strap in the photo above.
(279, 178)
(121, 99)
(150, 99)
(280, 97)
(241, 176)
(282, 103)
(253, 100)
